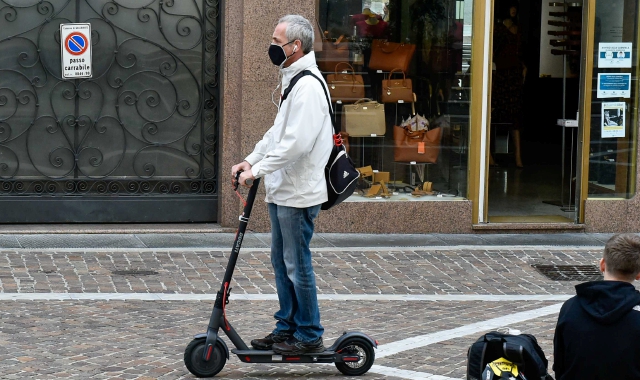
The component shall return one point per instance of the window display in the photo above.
(399, 76)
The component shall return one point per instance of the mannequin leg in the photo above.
(516, 142)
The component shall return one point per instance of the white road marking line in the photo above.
(444, 297)
(323, 249)
(406, 374)
(474, 328)
(274, 297)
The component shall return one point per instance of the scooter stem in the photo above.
(242, 227)
(221, 298)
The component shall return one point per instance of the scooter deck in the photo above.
(263, 356)
(271, 353)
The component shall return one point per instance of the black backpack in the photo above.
(522, 350)
(340, 172)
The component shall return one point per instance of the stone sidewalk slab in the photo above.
(355, 271)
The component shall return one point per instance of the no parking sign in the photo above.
(75, 41)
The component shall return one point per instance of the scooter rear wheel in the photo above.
(357, 346)
(197, 365)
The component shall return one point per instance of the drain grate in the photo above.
(134, 272)
(569, 272)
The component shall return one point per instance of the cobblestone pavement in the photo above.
(145, 339)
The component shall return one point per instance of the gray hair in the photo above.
(299, 28)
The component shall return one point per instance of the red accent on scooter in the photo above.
(209, 351)
(247, 358)
(350, 358)
(292, 358)
(224, 307)
(235, 187)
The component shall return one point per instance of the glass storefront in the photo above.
(399, 76)
(614, 102)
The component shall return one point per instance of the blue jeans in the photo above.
(291, 232)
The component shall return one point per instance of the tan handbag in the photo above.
(345, 86)
(419, 146)
(387, 56)
(364, 118)
(395, 90)
(332, 54)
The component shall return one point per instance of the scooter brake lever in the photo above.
(226, 300)
(236, 182)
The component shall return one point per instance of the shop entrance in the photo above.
(534, 105)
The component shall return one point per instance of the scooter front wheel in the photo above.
(193, 359)
(362, 348)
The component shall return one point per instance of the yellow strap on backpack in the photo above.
(499, 366)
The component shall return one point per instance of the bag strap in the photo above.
(513, 352)
(344, 64)
(293, 82)
(475, 359)
(394, 45)
(397, 71)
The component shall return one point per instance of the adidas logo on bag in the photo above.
(345, 175)
(637, 308)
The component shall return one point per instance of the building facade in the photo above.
(482, 115)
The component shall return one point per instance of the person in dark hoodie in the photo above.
(598, 332)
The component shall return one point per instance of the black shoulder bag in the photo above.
(340, 172)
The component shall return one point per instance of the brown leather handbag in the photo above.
(332, 54)
(395, 90)
(346, 86)
(387, 56)
(419, 146)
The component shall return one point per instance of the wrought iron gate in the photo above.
(138, 141)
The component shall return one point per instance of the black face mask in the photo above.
(278, 55)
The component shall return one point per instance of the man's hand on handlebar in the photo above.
(244, 176)
(244, 168)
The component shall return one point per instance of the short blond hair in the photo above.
(622, 256)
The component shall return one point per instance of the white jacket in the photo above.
(293, 153)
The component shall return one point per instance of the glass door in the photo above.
(610, 102)
(532, 135)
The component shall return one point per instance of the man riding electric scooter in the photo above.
(291, 157)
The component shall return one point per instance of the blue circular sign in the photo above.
(76, 43)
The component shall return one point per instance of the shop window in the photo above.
(614, 106)
(400, 82)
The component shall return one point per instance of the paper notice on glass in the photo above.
(615, 54)
(613, 119)
(614, 85)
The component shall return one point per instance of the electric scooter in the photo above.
(353, 352)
